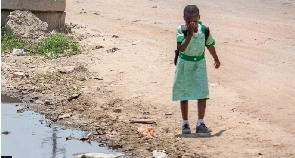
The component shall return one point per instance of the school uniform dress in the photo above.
(190, 79)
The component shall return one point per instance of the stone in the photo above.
(117, 110)
(47, 102)
(39, 102)
(159, 154)
(74, 96)
(186, 155)
(64, 116)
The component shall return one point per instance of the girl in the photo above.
(190, 80)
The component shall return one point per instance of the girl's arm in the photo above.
(215, 57)
(182, 46)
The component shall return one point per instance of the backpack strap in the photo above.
(207, 32)
(184, 30)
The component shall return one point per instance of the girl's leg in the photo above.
(201, 128)
(201, 108)
(184, 109)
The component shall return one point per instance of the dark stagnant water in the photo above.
(29, 138)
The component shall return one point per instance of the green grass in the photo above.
(52, 46)
(56, 45)
(10, 41)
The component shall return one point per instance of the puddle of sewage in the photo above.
(29, 138)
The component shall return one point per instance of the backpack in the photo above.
(184, 31)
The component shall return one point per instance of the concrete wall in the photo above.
(34, 5)
(50, 11)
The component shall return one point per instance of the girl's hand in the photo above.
(191, 27)
(216, 63)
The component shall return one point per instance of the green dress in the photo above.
(190, 79)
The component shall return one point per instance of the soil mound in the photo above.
(25, 24)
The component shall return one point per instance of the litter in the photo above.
(18, 51)
(145, 121)
(145, 130)
(159, 154)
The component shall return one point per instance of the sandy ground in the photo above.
(251, 110)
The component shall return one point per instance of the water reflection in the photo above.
(30, 138)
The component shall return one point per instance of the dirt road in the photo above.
(251, 109)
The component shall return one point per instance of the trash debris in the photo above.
(169, 113)
(112, 50)
(154, 7)
(20, 110)
(98, 78)
(67, 69)
(18, 75)
(159, 154)
(116, 147)
(86, 137)
(69, 137)
(70, 68)
(146, 121)
(74, 96)
(98, 155)
(18, 52)
(115, 36)
(6, 132)
(145, 130)
(98, 47)
(135, 42)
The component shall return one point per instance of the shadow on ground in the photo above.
(200, 135)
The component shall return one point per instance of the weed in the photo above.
(53, 46)
(56, 45)
(10, 41)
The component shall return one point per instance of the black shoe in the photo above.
(186, 129)
(203, 129)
